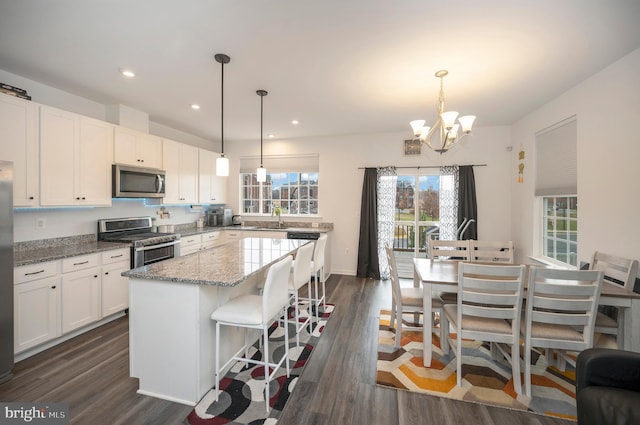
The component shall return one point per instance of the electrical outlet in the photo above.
(41, 223)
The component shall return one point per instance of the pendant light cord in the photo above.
(261, 119)
(222, 108)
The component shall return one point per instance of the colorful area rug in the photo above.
(241, 399)
(483, 379)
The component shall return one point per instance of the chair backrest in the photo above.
(489, 292)
(440, 249)
(275, 294)
(562, 297)
(302, 267)
(393, 272)
(617, 270)
(318, 253)
(492, 251)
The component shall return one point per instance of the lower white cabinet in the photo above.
(80, 298)
(36, 312)
(190, 244)
(115, 287)
(54, 298)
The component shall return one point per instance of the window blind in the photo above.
(556, 164)
(280, 163)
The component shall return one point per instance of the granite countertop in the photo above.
(41, 254)
(188, 231)
(226, 265)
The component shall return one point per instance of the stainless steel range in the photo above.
(146, 247)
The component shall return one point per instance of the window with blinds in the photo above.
(556, 186)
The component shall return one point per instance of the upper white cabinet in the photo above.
(75, 159)
(19, 143)
(212, 189)
(181, 165)
(133, 147)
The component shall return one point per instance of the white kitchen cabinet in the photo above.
(134, 147)
(181, 165)
(75, 159)
(80, 291)
(212, 189)
(19, 144)
(190, 244)
(115, 287)
(36, 300)
(211, 240)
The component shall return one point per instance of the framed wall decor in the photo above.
(412, 147)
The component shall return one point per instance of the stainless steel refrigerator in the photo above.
(6, 270)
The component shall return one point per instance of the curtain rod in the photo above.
(428, 166)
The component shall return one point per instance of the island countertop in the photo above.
(227, 265)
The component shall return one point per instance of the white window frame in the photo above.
(544, 239)
(261, 199)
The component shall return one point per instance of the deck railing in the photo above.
(404, 235)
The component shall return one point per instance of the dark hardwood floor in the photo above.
(91, 374)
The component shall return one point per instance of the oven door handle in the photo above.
(162, 245)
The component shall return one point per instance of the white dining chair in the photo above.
(407, 300)
(257, 312)
(617, 271)
(488, 309)
(444, 249)
(491, 251)
(301, 274)
(449, 249)
(560, 314)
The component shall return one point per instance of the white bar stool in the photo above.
(301, 274)
(317, 271)
(257, 312)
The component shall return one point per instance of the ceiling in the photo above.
(339, 67)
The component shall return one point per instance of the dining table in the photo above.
(437, 276)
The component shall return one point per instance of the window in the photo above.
(296, 193)
(560, 233)
(556, 187)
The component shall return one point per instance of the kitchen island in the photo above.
(171, 335)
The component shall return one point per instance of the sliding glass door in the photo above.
(417, 216)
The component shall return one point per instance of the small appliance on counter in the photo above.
(218, 217)
(236, 220)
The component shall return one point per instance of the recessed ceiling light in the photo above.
(195, 106)
(127, 73)
(271, 136)
(295, 122)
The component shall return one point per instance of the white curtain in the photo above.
(449, 183)
(387, 180)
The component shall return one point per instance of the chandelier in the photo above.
(446, 126)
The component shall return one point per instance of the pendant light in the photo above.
(262, 172)
(222, 163)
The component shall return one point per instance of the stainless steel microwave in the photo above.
(137, 182)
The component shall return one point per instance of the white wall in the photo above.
(607, 106)
(340, 183)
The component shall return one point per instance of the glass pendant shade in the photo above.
(424, 132)
(466, 123)
(262, 174)
(448, 119)
(416, 126)
(222, 167)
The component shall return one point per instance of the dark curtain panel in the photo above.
(368, 265)
(467, 205)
